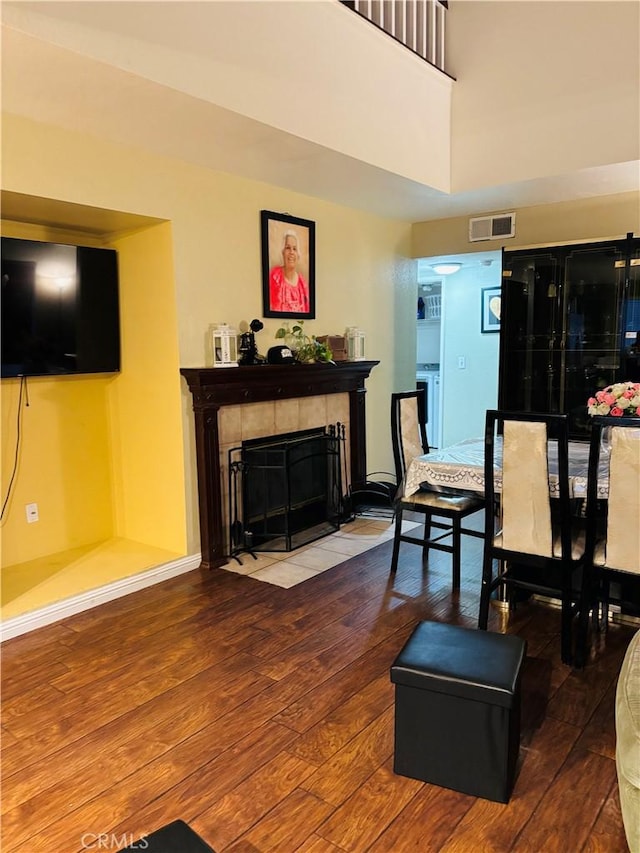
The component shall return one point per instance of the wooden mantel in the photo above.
(213, 388)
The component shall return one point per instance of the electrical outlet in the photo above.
(32, 513)
(462, 362)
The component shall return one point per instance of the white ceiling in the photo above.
(46, 82)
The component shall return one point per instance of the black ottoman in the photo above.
(457, 709)
(176, 837)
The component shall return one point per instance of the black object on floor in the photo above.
(374, 498)
(457, 709)
(176, 837)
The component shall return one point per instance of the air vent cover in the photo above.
(492, 227)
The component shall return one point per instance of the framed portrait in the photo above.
(491, 304)
(288, 266)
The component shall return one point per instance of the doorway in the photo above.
(461, 358)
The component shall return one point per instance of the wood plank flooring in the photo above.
(264, 718)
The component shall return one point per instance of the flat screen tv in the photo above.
(60, 311)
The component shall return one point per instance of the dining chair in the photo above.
(409, 439)
(613, 518)
(536, 547)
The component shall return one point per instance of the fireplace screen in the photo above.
(285, 491)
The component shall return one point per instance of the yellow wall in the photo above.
(64, 466)
(146, 426)
(600, 218)
(131, 438)
(101, 455)
(65, 428)
(364, 277)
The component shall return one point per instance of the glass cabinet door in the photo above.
(570, 326)
(592, 314)
(531, 331)
(631, 321)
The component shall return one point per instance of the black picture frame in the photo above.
(490, 321)
(280, 298)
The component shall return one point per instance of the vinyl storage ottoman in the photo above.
(175, 837)
(457, 709)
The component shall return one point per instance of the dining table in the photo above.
(459, 468)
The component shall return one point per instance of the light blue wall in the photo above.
(467, 393)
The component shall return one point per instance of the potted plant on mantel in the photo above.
(306, 349)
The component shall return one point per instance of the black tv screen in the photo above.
(60, 310)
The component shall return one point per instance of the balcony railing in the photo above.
(417, 24)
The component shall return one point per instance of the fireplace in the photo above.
(285, 491)
(238, 404)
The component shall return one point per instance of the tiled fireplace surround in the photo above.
(232, 405)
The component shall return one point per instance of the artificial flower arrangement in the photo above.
(622, 399)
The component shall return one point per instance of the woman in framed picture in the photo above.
(288, 291)
(288, 266)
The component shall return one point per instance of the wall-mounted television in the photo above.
(60, 309)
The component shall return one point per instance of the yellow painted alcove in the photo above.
(101, 455)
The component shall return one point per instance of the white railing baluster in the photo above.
(440, 10)
(433, 23)
(418, 24)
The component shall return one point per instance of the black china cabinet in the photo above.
(570, 324)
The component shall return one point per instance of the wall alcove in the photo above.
(90, 445)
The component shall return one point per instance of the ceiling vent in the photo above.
(492, 227)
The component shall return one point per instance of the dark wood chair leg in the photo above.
(426, 537)
(565, 628)
(605, 604)
(455, 556)
(396, 541)
(485, 593)
(588, 606)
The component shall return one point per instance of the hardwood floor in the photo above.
(264, 718)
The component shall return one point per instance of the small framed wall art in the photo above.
(490, 308)
(288, 266)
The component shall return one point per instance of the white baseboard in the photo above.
(94, 597)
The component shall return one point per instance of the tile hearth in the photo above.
(289, 568)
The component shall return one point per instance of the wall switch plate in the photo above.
(462, 362)
(32, 513)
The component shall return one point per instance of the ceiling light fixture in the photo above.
(446, 269)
